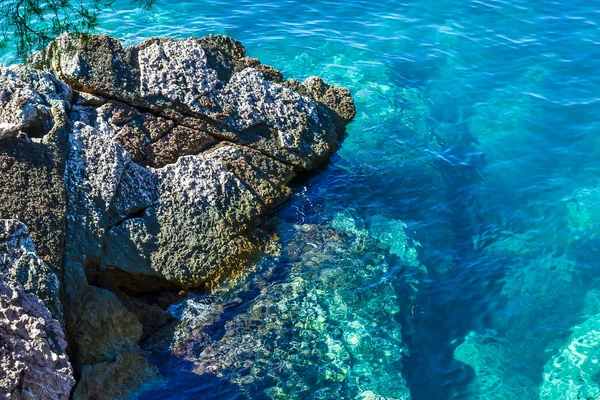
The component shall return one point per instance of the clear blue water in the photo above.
(468, 191)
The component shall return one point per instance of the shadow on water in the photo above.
(457, 296)
(179, 382)
(448, 303)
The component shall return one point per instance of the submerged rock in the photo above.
(509, 360)
(584, 214)
(327, 329)
(572, 373)
(114, 380)
(487, 354)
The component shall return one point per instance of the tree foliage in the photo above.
(29, 25)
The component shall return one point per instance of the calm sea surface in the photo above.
(450, 249)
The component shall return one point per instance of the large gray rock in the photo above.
(571, 374)
(172, 197)
(187, 224)
(200, 228)
(31, 173)
(53, 92)
(34, 189)
(32, 193)
(33, 360)
(100, 328)
(176, 71)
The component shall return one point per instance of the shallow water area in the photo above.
(450, 248)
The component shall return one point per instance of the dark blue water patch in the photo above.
(455, 301)
(179, 382)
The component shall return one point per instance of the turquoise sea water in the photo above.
(450, 250)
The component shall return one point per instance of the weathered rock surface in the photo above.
(20, 262)
(144, 169)
(22, 110)
(204, 209)
(172, 193)
(33, 359)
(31, 173)
(208, 80)
(34, 363)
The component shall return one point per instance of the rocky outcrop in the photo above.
(33, 359)
(207, 80)
(220, 153)
(33, 133)
(147, 169)
(183, 225)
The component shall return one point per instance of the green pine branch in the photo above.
(30, 25)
